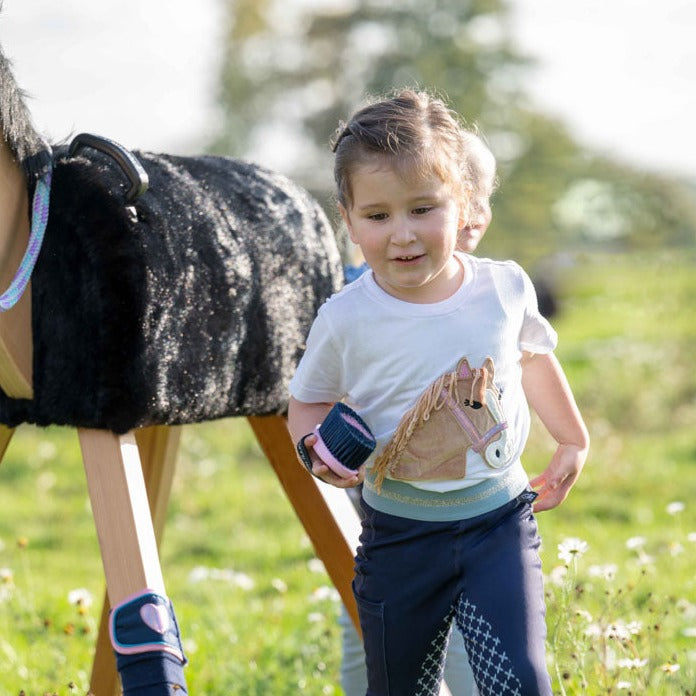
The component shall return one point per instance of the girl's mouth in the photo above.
(408, 258)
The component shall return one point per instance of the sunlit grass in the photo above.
(257, 612)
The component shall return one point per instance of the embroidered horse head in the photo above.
(458, 412)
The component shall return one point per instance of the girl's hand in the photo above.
(554, 484)
(322, 471)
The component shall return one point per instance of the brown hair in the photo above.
(416, 130)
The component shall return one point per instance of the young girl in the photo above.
(436, 351)
(480, 171)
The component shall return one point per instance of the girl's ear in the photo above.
(346, 219)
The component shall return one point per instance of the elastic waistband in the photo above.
(401, 499)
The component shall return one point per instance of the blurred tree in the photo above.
(292, 70)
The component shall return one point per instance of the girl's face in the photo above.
(406, 230)
(480, 214)
(479, 218)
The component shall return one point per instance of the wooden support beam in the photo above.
(5, 437)
(158, 447)
(316, 516)
(121, 513)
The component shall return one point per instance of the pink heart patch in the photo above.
(155, 616)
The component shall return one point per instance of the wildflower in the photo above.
(279, 585)
(675, 548)
(593, 631)
(634, 627)
(619, 630)
(624, 685)
(669, 668)
(190, 646)
(241, 580)
(6, 576)
(607, 571)
(325, 592)
(691, 536)
(675, 507)
(80, 597)
(558, 575)
(315, 617)
(635, 542)
(686, 608)
(233, 577)
(645, 559)
(571, 548)
(689, 632)
(47, 450)
(632, 663)
(584, 614)
(316, 566)
(198, 574)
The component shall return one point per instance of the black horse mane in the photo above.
(26, 145)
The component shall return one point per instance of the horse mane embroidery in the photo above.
(459, 411)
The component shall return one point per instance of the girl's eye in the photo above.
(422, 210)
(377, 216)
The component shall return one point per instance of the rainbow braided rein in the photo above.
(39, 220)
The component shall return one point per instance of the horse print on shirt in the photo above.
(458, 412)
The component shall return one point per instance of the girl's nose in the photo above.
(402, 232)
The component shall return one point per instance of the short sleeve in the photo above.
(536, 335)
(318, 375)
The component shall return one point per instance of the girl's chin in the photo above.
(468, 240)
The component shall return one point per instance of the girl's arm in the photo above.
(549, 394)
(302, 419)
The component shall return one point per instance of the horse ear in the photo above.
(463, 368)
(490, 368)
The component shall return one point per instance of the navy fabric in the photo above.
(346, 442)
(415, 579)
(151, 674)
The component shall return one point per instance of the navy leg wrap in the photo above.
(151, 674)
(149, 655)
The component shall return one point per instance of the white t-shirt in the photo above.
(378, 353)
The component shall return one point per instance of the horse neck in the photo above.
(15, 324)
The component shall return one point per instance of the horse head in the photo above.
(458, 412)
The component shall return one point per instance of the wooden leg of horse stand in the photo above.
(328, 516)
(325, 533)
(158, 446)
(5, 437)
(122, 518)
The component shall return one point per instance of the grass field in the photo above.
(257, 611)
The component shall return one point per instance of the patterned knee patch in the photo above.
(491, 666)
(145, 623)
(434, 663)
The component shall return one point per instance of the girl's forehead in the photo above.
(413, 171)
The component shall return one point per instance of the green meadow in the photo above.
(257, 610)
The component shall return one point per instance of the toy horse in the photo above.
(460, 411)
(167, 290)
